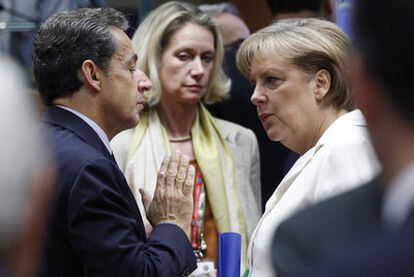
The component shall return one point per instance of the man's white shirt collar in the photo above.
(399, 198)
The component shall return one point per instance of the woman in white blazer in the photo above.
(300, 71)
(179, 48)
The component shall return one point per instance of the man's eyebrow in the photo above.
(134, 58)
(132, 61)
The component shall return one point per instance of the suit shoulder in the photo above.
(70, 151)
(305, 237)
(71, 144)
(350, 204)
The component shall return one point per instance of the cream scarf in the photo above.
(149, 145)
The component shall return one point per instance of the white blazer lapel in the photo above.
(288, 180)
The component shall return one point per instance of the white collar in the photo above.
(399, 198)
(98, 130)
(354, 117)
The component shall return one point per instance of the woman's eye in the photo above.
(132, 69)
(183, 56)
(207, 58)
(271, 79)
(271, 82)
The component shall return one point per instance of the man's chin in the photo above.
(132, 122)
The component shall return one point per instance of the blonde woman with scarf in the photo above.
(180, 49)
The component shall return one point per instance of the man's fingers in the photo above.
(173, 168)
(189, 181)
(173, 197)
(181, 174)
(162, 173)
(146, 199)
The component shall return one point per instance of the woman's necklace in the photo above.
(180, 139)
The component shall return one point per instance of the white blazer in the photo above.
(342, 159)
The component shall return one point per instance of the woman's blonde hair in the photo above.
(310, 44)
(153, 35)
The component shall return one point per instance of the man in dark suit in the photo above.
(85, 68)
(368, 231)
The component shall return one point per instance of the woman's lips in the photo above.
(194, 87)
(264, 116)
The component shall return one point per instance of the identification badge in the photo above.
(204, 269)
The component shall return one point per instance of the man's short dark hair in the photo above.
(294, 6)
(384, 38)
(65, 41)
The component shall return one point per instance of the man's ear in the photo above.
(322, 83)
(91, 75)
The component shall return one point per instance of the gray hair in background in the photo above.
(224, 7)
(229, 23)
(22, 149)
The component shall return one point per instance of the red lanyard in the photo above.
(195, 224)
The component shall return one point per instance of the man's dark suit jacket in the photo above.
(95, 227)
(380, 253)
(309, 236)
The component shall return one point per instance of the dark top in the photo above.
(381, 253)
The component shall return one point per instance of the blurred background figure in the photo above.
(22, 18)
(180, 50)
(282, 9)
(26, 177)
(343, 15)
(238, 108)
(304, 99)
(231, 27)
(339, 11)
